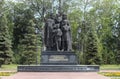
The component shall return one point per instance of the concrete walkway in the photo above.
(56, 75)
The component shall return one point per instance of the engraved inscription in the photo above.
(57, 58)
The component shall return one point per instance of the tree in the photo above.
(5, 42)
(104, 22)
(28, 45)
(40, 9)
(92, 55)
(117, 35)
(25, 37)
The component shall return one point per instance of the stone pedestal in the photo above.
(54, 61)
(58, 58)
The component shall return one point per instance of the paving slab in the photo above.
(56, 75)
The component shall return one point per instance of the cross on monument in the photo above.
(60, 3)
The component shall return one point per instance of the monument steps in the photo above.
(58, 68)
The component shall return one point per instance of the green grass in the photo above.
(110, 67)
(6, 73)
(10, 67)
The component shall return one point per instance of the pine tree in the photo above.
(92, 55)
(5, 43)
(26, 40)
(28, 55)
(118, 54)
(118, 44)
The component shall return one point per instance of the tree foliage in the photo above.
(24, 35)
(5, 42)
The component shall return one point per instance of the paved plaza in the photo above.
(56, 75)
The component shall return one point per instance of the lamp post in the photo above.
(36, 31)
(78, 37)
(84, 41)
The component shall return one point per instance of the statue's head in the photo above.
(58, 17)
(51, 15)
(65, 22)
(64, 16)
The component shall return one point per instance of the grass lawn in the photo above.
(110, 67)
(7, 70)
(112, 75)
(11, 67)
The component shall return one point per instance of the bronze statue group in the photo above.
(57, 33)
